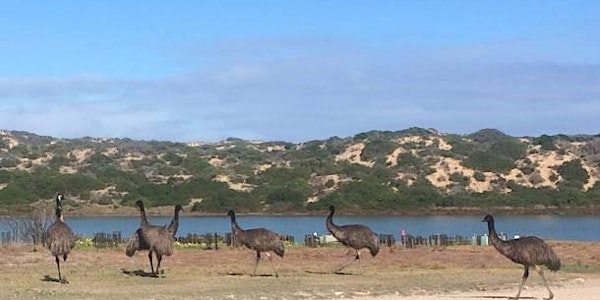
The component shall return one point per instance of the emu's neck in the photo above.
(59, 215)
(143, 218)
(329, 222)
(494, 239)
(234, 226)
(174, 223)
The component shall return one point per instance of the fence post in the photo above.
(216, 241)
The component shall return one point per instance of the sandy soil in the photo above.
(462, 272)
(577, 289)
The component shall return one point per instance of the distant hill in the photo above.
(378, 171)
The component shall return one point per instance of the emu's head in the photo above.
(331, 208)
(488, 218)
(178, 208)
(231, 213)
(59, 199)
(140, 204)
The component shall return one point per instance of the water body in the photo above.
(575, 228)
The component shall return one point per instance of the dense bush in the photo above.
(487, 161)
(573, 173)
(377, 150)
(173, 173)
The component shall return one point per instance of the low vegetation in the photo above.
(376, 171)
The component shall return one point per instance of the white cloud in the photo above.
(317, 90)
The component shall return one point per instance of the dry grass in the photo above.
(304, 273)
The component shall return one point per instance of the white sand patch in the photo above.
(40, 161)
(237, 186)
(8, 139)
(134, 156)
(11, 142)
(323, 180)
(414, 140)
(105, 191)
(392, 159)
(261, 168)
(125, 162)
(424, 141)
(3, 186)
(216, 162)
(447, 166)
(225, 147)
(577, 145)
(406, 177)
(110, 151)
(67, 170)
(165, 179)
(275, 148)
(352, 154)
(81, 154)
(519, 177)
(195, 144)
(525, 140)
(545, 164)
(326, 184)
(312, 199)
(593, 176)
(442, 145)
(193, 201)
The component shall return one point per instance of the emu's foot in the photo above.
(550, 297)
(63, 280)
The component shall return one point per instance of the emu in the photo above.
(258, 239)
(529, 251)
(60, 239)
(174, 226)
(157, 239)
(135, 244)
(355, 236)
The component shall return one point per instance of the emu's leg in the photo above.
(256, 264)
(151, 264)
(359, 266)
(159, 259)
(58, 267)
(525, 275)
(270, 257)
(348, 263)
(541, 272)
(60, 278)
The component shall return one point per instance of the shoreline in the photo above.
(107, 211)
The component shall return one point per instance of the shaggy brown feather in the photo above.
(138, 244)
(257, 239)
(59, 237)
(355, 236)
(157, 239)
(529, 251)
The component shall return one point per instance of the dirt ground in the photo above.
(461, 272)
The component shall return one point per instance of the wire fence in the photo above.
(213, 240)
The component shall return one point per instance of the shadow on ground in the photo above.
(140, 273)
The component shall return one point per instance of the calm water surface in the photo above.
(577, 228)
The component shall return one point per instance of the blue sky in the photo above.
(298, 70)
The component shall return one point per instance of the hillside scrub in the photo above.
(377, 172)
